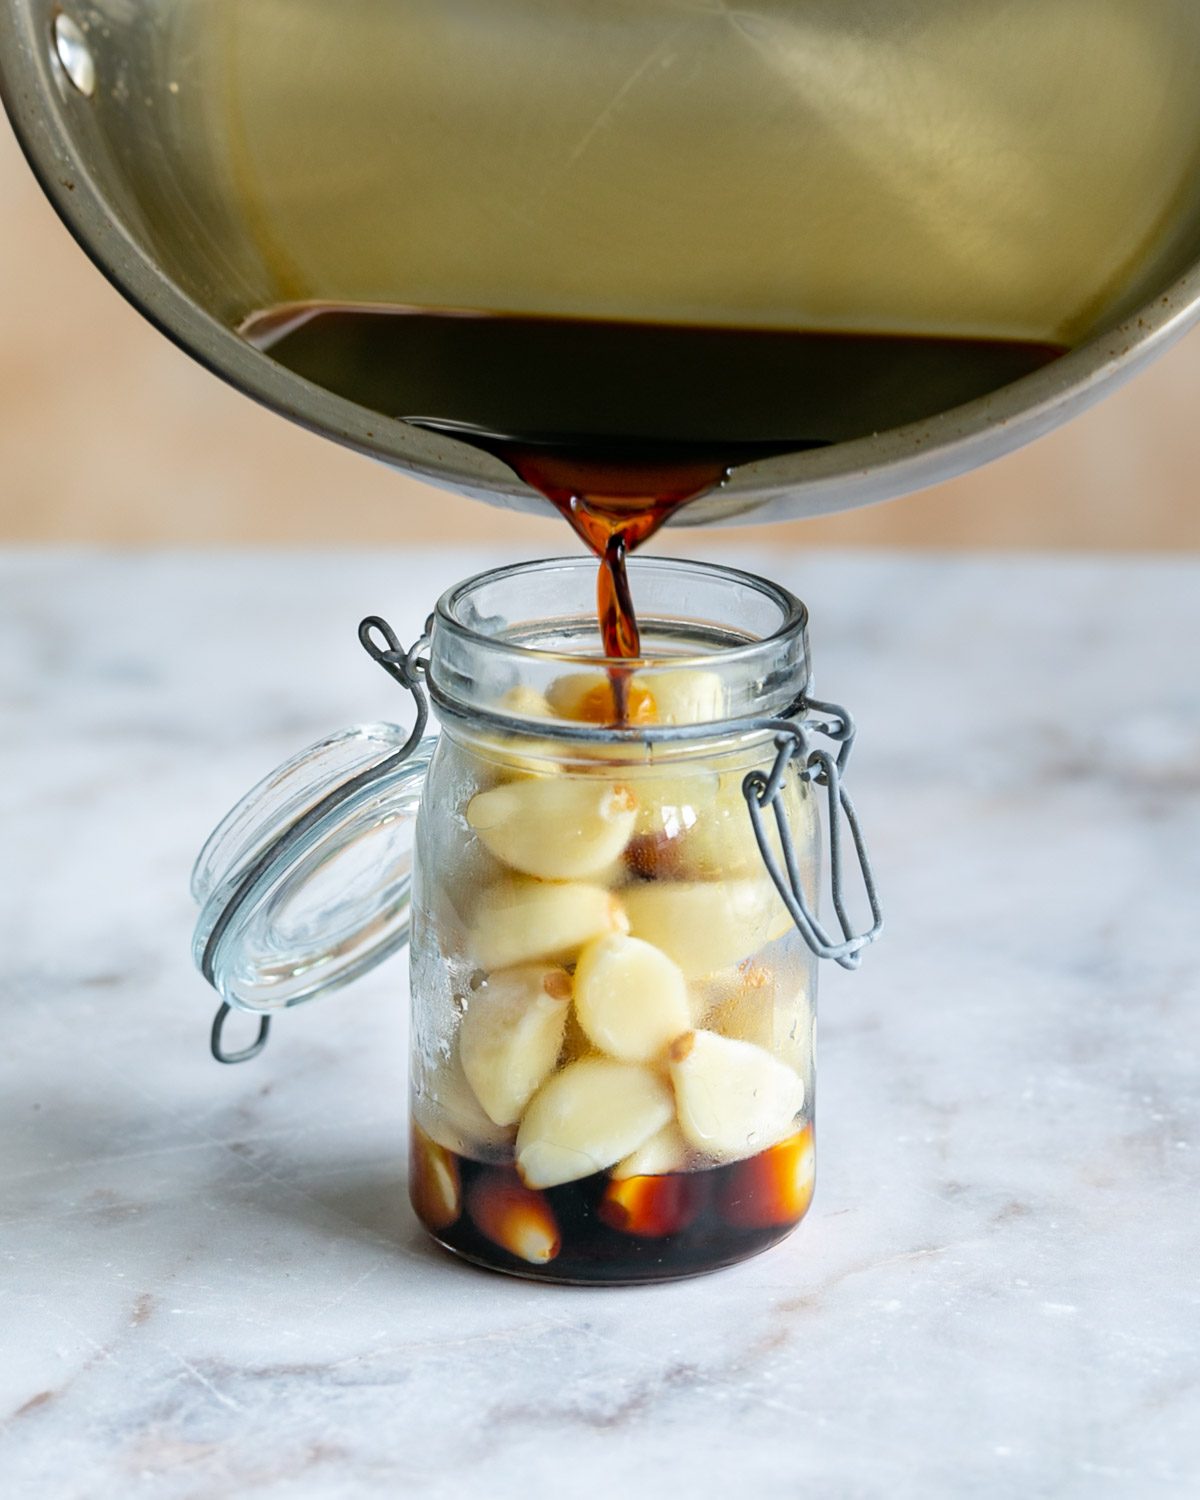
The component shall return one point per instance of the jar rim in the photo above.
(793, 610)
(698, 616)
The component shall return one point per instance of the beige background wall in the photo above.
(109, 435)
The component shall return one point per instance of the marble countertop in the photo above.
(212, 1284)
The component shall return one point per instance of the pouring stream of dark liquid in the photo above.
(620, 424)
(613, 507)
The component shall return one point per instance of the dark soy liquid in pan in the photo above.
(620, 424)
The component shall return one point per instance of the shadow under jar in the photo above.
(613, 879)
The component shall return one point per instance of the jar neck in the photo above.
(719, 646)
(544, 751)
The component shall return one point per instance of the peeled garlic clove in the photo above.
(446, 1109)
(733, 1099)
(764, 1001)
(706, 925)
(721, 842)
(759, 1004)
(498, 759)
(570, 694)
(588, 698)
(654, 1207)
(511, 1035)
(434, 1185)
(454, 865)
(773, 1188)
(586, 1118)
(688, 696)
(697, 827)
(630, 998)
(669, 808)
(513, 1217)
(665, 1151)
(518, 921)
(669, 805)
(526, 701)
(741, 1004)
(561, 828)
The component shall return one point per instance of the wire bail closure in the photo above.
(824, 769)
(794, 743)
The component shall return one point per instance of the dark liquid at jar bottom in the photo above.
(596, 1230)
(619, 424)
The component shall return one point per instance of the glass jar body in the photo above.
(612, 1013)
(613, 1026)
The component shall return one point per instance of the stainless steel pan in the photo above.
(207, 154)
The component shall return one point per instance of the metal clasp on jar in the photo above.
(794, 743)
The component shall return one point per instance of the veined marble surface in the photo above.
(212, 1284)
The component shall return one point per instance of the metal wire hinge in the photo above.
(823, 768)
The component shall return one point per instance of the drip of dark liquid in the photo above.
(619, 424)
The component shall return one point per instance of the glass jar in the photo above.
(613, 933)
